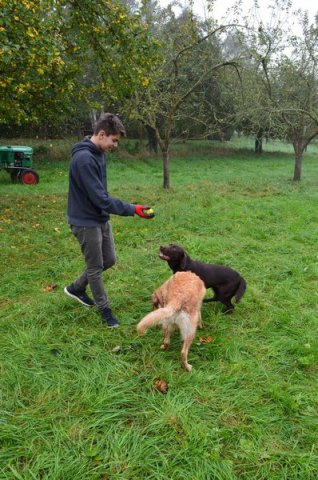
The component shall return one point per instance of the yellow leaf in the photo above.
(208, 339)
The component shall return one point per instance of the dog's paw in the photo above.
(164, 346)
(187, 367)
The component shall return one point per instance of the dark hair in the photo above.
(110, 123)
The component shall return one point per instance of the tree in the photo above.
(190, 58)
(296, 91)
(283, 67)
(34, 74)
(46, 46)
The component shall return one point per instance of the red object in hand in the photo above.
(139, 210)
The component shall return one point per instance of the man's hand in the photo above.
(141, 210)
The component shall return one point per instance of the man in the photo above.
(89, 207)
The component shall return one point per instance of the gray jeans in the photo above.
(98, 248)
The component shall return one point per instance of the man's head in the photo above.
(107, 132)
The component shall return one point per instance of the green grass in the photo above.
(72, 408)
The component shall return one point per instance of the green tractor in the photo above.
(18, 162)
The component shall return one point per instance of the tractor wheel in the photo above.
(29, 177)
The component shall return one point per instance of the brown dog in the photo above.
(224, 281)
(178, 302)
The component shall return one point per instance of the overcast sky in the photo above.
(221, 7)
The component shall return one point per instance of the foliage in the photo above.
(47, 47)
(123, 53)
(37, 76)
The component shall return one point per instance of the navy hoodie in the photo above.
(89, 204)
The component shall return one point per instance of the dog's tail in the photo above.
(154, 318)
(241, 289)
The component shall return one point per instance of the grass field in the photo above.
(78, 400)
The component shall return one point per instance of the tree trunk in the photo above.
(259, 141)
(299, 147)
(298, 165)
(166, 175)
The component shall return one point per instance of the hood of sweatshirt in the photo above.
(86, 144)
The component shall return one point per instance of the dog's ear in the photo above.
(183, 260)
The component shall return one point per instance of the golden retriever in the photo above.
(178, 305)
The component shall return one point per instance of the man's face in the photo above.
(107, 142)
